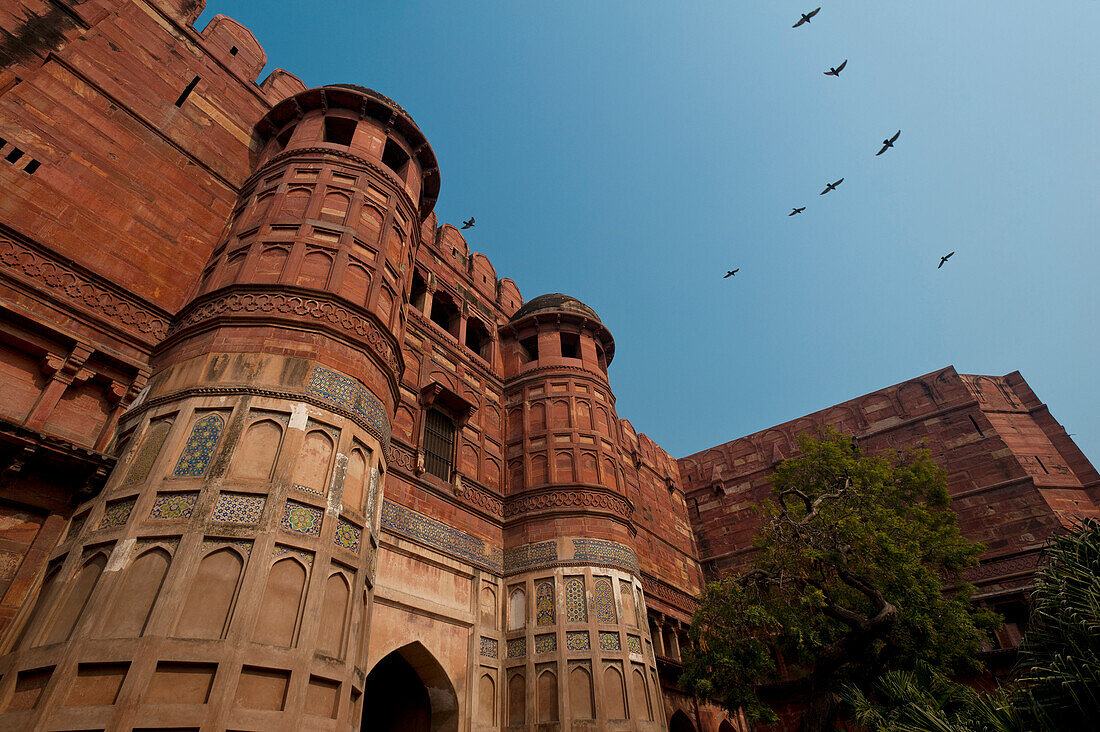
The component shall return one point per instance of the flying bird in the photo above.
(831, 187)
(837, 70)
(468, 224)
(732, 272)
(944, 259)
(796, 211)
(806, 17)
(887, 144)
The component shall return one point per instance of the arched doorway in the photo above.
(408, 691)
(680, 723)
(726, 726)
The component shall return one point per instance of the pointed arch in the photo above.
(487, 698)
(315, 269)
(254, 457)
(312, 468)
(279, 609)
(397, 697)
(614, 693)
(517, 699)
(517, 609)
(643, 706)
(209, 602)
(580, 693)
(72, 608)
(136, 596)
(680, 722)
(354, 480)
(334, 616)
(546, 696)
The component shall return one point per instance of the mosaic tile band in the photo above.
(544, 603)
(609, 553)
(576, 610)
(605, 601)
(173, 506)
(609, 641)
(634, 644)
(348, 393)
(530, 556)
(517, 648)
(409, 523)
(489, 647)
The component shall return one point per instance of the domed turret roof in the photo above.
(555, 302)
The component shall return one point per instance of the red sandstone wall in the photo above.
(1014, 475)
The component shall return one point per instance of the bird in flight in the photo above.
(806, 17)
(796, 211)
(732, 272)
(468, 224)
(944, 259)
(831, 187)
(837, 70)
(887, 144)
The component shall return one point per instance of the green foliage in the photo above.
(1059, 673)
(848, 580)
(923, 700)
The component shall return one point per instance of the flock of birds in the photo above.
(886, 144)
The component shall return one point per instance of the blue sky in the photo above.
(629, 153)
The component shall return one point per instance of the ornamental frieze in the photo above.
(67, 283)
(569, 499)
(276, 303)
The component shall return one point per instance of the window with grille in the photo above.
(439, 442)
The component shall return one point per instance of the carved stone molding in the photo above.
(655, 588)
(277, 302)
(1025, 563)
(67, 283)
(577, 498)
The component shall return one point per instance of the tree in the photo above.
(854, 559)
(1059, 666)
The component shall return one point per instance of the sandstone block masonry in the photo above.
(277, 451)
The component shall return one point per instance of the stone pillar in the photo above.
(223, 579)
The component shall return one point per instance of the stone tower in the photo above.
(223, 578)
(572, 581)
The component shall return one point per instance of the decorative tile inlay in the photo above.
(605, 552)
(405, 521)
(117, 513)
(147, 453)
(489, 647)
(168, 542)
(306, 489)
(634, 644)
(281, 550)
(351, 395)
(544, 603)
(77, 525)
(517, 648)
(576, 610)
(239, 508)
(173, 506)
(609, 641)
(332, 431)
(578, 640)
(243, 545)
(546, 643)
(531, 555)
(348, 535)
(605, 601)
(200, 446)
(301, 519)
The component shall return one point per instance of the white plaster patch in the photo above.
(336, 488)
(120, 554)
(299, 414)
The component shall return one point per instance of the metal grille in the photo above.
(439, 442)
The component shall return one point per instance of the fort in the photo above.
(279, 452)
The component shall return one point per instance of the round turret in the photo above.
(556, 330)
